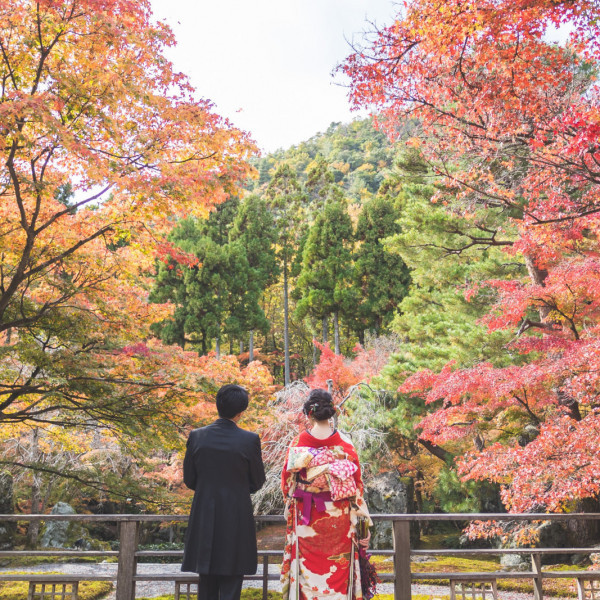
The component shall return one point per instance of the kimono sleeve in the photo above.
(287, 477)
(361, 506)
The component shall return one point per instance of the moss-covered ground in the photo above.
(455, 564)
(88, 590)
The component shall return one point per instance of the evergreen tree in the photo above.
(287, 201)
(254, 229)
(319, 184)
(199, 293)
(220, 296)
(435, 321)
(220, 221)
(382, 278)
(326, 264)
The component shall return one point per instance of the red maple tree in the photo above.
(510, 122)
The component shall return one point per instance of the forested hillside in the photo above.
(309, 232)
(358, 156)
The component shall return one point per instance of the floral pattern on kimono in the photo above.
(320, 558)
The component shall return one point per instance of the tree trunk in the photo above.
(325, 327)
(418, 495)
(218, 346)
(437, 451)
(336, 329)
(251, 347)
(48, 494)
(33, 530)
(538, 277)
(361, 337)
(230, 345)
(241, 346)
(286, 330)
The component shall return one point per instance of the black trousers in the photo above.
(220, 587)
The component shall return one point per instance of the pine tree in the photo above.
(198, 292)
(320, 183)
(216, 297)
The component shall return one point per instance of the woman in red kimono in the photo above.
(322, 485)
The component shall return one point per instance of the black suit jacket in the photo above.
(223, 464)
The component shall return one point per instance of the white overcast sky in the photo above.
(267, 64)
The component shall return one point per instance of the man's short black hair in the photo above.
(231, 400)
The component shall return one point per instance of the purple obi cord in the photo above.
(319, 499)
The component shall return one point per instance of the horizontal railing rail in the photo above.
(126, 574)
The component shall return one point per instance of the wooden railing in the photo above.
(128, 554)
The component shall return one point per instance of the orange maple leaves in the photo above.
(103, 146)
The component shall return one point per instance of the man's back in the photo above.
(223, 457)
(223, 465)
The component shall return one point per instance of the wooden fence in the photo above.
(128, 554)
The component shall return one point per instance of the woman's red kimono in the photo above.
(322, 484)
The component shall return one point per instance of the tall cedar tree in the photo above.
(287, 202)
(381, 277)
(320, 184)
(323, 284)
(254, 228)
(198, 291)
(220, 293)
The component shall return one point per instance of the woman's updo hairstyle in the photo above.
(319, 405)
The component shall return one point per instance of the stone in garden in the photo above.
(66, 534)
(516, 562)
(549, 534)
(390, 494)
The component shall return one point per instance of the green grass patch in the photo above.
(32, 561)
(435, 541)
(453, 564)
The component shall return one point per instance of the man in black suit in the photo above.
(223, 464)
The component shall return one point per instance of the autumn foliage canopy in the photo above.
(103, 145)
(510, 123)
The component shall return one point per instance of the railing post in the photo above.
(128, 536)
(402, 574)
(265, 581)
(536, 567)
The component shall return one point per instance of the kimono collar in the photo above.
(306, 439)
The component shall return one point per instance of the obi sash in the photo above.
(310, 498)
